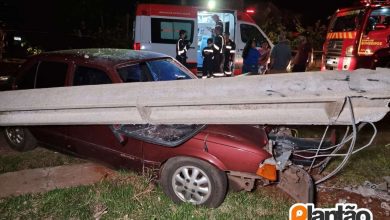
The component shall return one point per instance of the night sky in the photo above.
(63, 15)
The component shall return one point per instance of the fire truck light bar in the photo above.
(375, 2)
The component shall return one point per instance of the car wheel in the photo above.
(383, 63)
(191, 180)
(20, 139)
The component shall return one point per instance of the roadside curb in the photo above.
(46, 179)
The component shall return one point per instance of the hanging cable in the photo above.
(350, 150)
(319, 146)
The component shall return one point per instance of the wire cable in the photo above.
(351, 146)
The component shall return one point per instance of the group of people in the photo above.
(218, 55)
(255, 60)
(281, 55)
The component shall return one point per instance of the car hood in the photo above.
(244, 137)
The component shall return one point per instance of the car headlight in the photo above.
(4, 78)
(349, 51)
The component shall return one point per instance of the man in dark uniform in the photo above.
(218, 46)
(181, 48)
(230, 52)
(208, 58)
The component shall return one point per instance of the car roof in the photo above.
(103, 56)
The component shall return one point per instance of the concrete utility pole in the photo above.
(294, 98)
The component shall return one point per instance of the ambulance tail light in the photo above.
(137, 46)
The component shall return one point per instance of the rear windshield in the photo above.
(347, 21)
(165, 135)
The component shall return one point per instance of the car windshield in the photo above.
(347, 21)
(165, 70)
(165, 135)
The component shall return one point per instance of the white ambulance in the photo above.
(157, 28)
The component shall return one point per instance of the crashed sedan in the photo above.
(194, 163)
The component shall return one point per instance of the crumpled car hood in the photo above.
(245, 137)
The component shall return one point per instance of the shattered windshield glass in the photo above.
(166, 135)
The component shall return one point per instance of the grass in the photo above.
(132, 197)
(40, 157)
(371, 164)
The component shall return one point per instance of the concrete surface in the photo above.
(46, 179)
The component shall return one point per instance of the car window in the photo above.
(165, 135)
(134, 73)
(379, 17)
(27, 80)
(164, 70)
(51, 74)
(250, 31)
(167, 30)
(90, 76)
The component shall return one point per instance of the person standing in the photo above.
(182, 48)
(218, 47)
(303, 57)
(230, 53)
(280, 55)
(208, 58)
(251, 57)
(264, 56)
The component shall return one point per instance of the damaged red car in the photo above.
(194, 163)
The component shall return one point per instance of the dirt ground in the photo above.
(329, 196)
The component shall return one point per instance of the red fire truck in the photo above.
(358, 37)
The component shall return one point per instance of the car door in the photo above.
(376, 35)
(99, 141)
(46, 74)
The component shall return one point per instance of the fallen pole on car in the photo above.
(295, 98)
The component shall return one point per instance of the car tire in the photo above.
(186, 179)
(20, 139)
